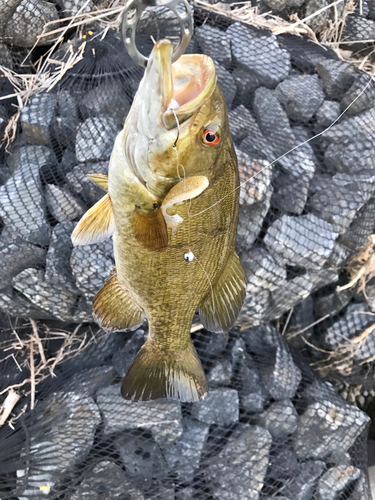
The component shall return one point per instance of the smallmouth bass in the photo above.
(172, 208)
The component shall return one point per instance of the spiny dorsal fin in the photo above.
(220, 308)
(96, 225)
(114, 309)
(100, 179)
(173, 375)
(187, 189)
(150, 230)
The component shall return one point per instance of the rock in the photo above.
(3, 122)
(59, 303)
(162, 418)
(328, 427)
(95, 139)
(184, 494)
(64, 130)
(62, 204)
(22, 205)
(302, 317)
(283, 463)
(262, 271)
(254, 308)
(305, 241)
(340, 200)
(245, 457)
(91, 265)
(336, 76)
(255, 178)
(82, 185)
(141, 457)
(357, 29)
(255, 144)
(359, 230)
(16, 255)
(290, 192)
(57, 271)
(124, 357)
(280, 5)
(209, 346)
(220, 373)
(335, 480)
(87, 382)
(317, 22)
(17, 306)
(278, 373)
(24, 157)
(347, 331)
(303, 486)
(227, 84)
(215, 44)
(360, 96)
(106, 480)
(238, 120)
(258, 46)
(70, 8)
(183, 457)
(62, 434)
(245, 86)
(280, 419)
(28, 21)
(333, 303)
(110, 99)
(328, 112)
(301, 96)
(66, 104)
(36, 119)
(220, 407)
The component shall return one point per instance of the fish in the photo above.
(172, 209)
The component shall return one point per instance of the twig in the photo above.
(9, 403)
(32, 377)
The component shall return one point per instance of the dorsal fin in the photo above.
(100, 179)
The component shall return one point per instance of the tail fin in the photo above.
(153, 375)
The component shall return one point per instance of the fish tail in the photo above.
(174, 375)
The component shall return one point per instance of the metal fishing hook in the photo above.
(132, 15)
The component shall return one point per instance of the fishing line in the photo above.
(290, 151)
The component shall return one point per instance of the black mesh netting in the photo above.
(270, 427)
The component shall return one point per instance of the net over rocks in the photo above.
(269, 427)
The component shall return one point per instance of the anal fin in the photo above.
(150, 230)
(114, 309)
(96, 225)
(220, 308)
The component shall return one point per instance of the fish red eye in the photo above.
(210, 137)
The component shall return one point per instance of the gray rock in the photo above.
(24, 157)
(280, 419)
(358, 28)
(58, 272)
(62, 204)
(290, 192)
(238, 120)
(95, 139)
(257, 48)
(246, 85)
(255, 178)
(64, 130)
(184, 493)
(61, 436)
(220, 407)
(215, 44)
(142, 458)
(162, 418)
(262, 270)
(364, 97)
(255, 144)
(335, 480)
(244, 457)
(220, 373)
(361, 489)
(359, 230)
(281, 5)
(106, 480)
(183, 457)
(28, 21)
(306, 53)
(36, 118)
(66, 104)
(80, 184)
(58, 302)
(278, 373)
(18, 306)
(109, 99)
(337, 76)
(302, 317)
(317, 22)
(301, 96)
(91, 265)
(254, 308)
(16, 255)
(87, 382)
(325, 116)
(22, 205)
(208, 345)
(227, 84)
(70, 8)
(333, 303)
(283, 464)
(305, 241)
(124, 357)
(328, 427)
(3, 122)
(303, 486)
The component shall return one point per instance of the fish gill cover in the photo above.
(270, 426)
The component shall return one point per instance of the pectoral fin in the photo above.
(150, 230)
(114, 309)
(100, 179)
(187, 189)
(96, 225)
(219, 309)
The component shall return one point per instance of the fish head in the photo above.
(178, 120)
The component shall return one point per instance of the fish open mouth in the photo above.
(184, 85)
